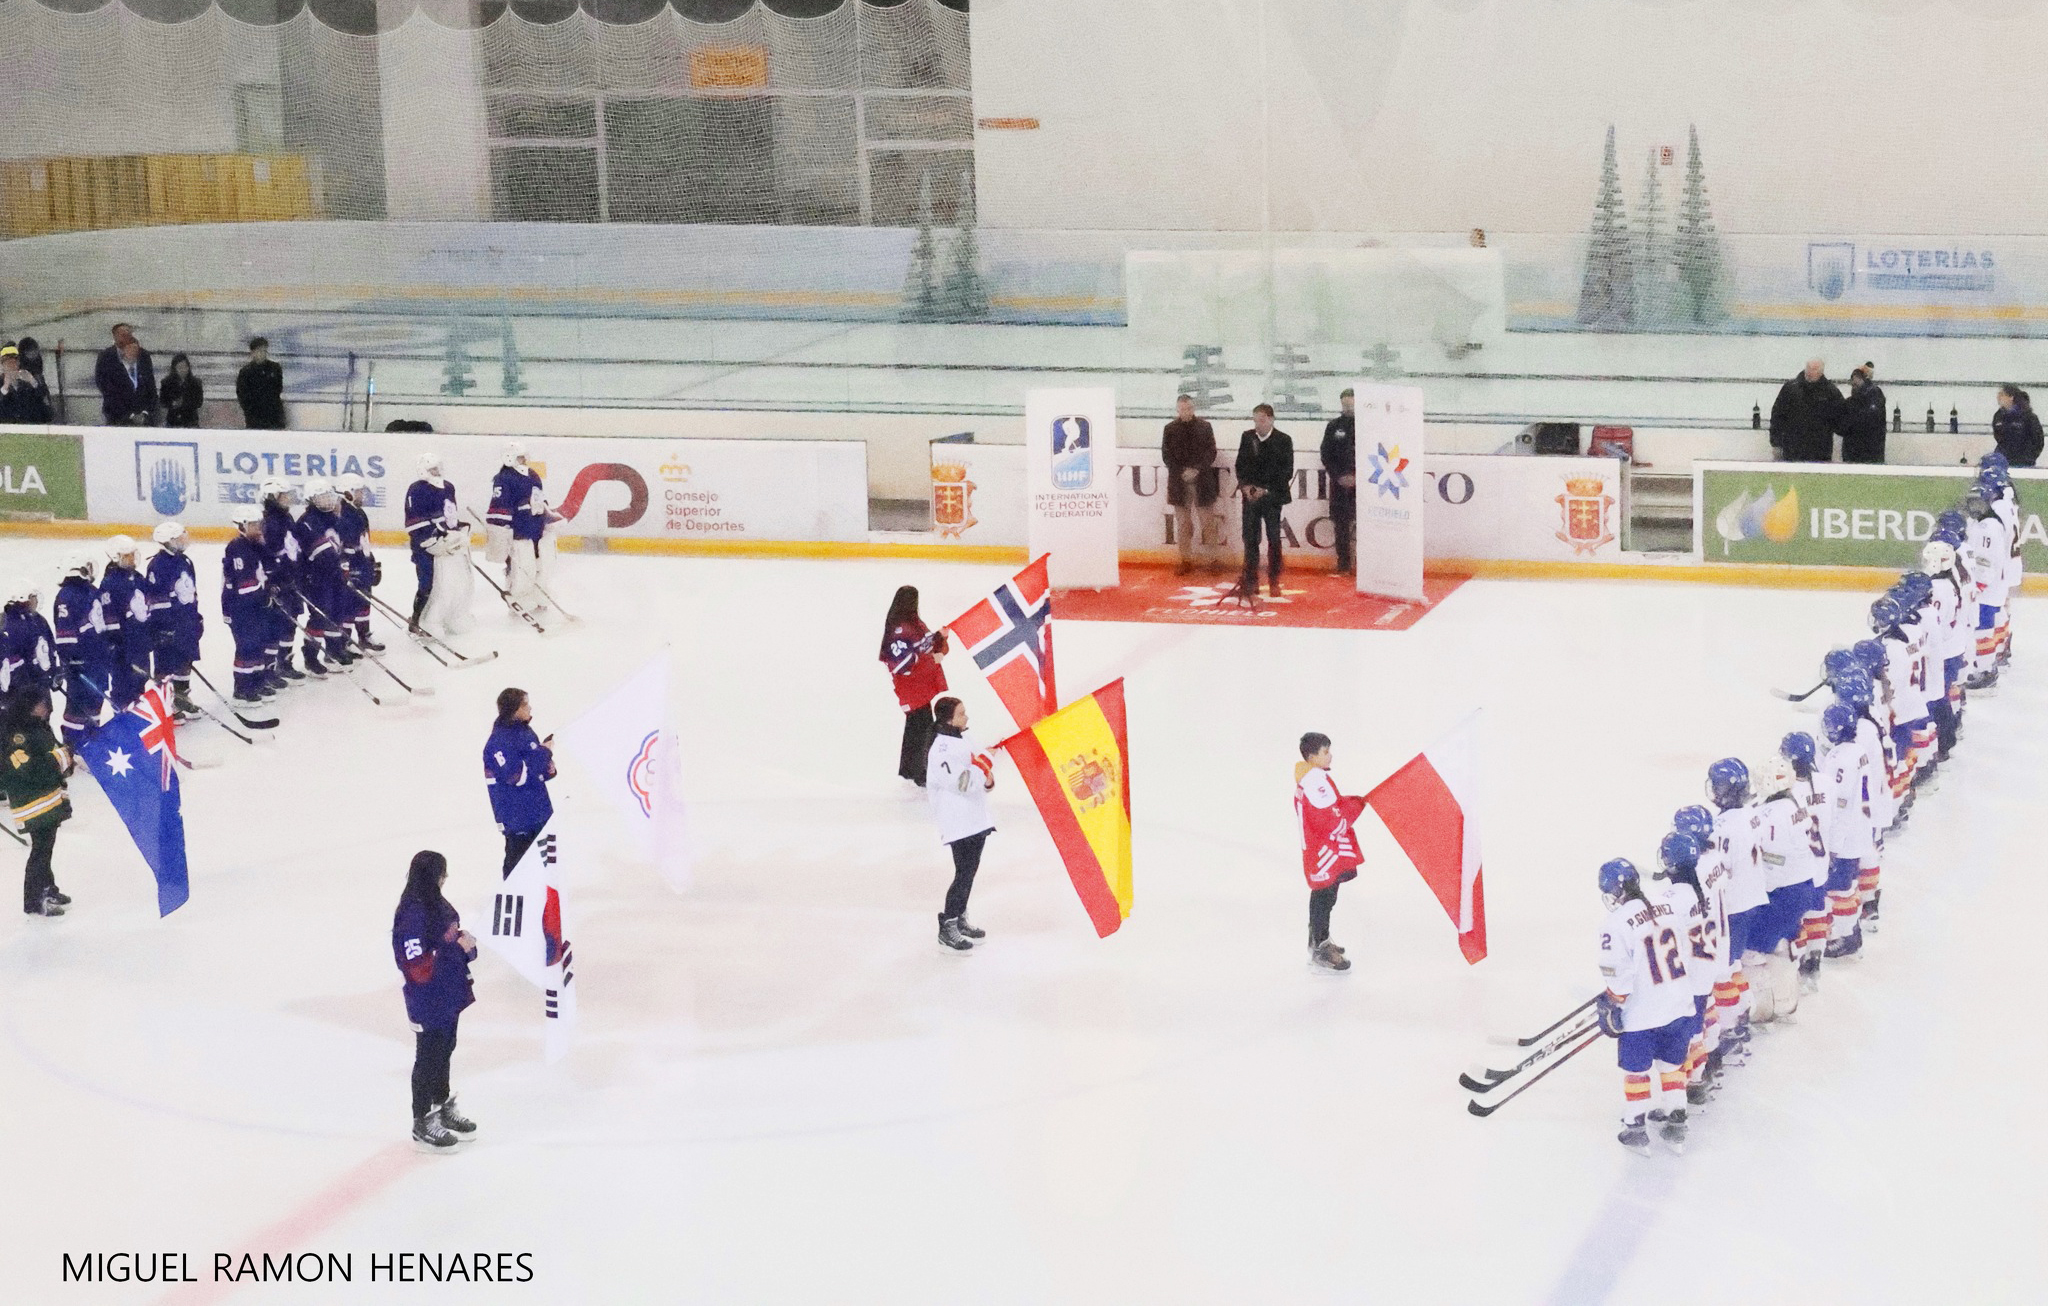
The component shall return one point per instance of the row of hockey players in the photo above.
(298, 582)
(1783, 870)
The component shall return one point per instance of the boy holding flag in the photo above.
(1329, 851)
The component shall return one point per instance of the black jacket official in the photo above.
(1803, 419)
(1267, 463)
(1863, 423)
(1340, 450)
(259, 388)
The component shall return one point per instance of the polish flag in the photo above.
(1431, 807)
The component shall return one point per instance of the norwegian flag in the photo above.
(1009, 635)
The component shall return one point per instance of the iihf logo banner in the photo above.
(1070, 484)
(627, 748)
(1390, 543)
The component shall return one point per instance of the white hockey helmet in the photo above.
(119, 547)
(1773, 775)
(79, 562)
(169, 534)
(350, 483)
(430, 465)
(515, 453)
(246, 514)
(317, 489)
(1937, 557)
(20, 589)
(274, 489)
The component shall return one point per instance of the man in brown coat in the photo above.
(1188, 447)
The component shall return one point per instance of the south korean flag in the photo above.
(523, 924)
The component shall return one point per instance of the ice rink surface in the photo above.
(784, 1091)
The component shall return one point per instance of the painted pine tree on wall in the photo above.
(1702, 275)
(1654, 270)
(1607, 295)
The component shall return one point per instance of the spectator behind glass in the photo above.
(22, 400)
(259, 387)
(1805, 415)
(2016, 428)
(182, 394)
(126, 377)
(1863, 418)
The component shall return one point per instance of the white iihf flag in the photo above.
(627, 745)
(522, 923)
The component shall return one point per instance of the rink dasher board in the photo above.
(1478, 506)
(606, 487)
(1828, 514)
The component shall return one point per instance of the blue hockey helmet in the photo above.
(1996, 478)
(1857, 690)
(1838, 723)
(1887, 614)
(1728, 783)
(1996, 458)
(1836, 662)
(1618, 880)
(1798, 749)
(1870, 656)
(1680, 853)
(1951, 520)
(1696, 821)
(1949, 535)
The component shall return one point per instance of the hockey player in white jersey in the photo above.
(1988, 546)
(1647, 1006)
(1945, 585)
(1994, 473)
(1848, 825)
(1788, 852)
(1735, 847)
(1810, 934)
(1697, 900)
(1904, 699)
(1915, 594)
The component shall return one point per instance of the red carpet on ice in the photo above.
(1310, 598)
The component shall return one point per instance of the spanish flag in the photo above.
(1077, 765)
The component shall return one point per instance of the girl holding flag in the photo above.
(957, 781)
(433, 953)
(912, 653)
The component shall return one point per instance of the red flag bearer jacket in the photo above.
(1329, 849)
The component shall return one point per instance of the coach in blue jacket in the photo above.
(433, 953)
(517, 767)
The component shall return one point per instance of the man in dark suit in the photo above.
(259, 387)
(1188, 448)
(127, 381)
(1265, 479)
(1340, 465)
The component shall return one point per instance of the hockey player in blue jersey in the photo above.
(124, 616)
(322, 584)
(81, 647)
(281, 554)
(518, 764)
(360, 567)
(516, 523)
(433, 524)
(245, 603)
(175, 623)
(28, 647)
(1647, 1006)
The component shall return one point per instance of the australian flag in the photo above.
(1009, 635)
(133, 757)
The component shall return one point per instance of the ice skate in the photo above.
(48, 907)
(951, 937)
(970, 931)
(58, 896)
(1672, 1131)
(455, 1122)
(1869, 918)
(1635, 1138)
(315, 668)
(430, 1135)
(1325, 959)
(1809, 973)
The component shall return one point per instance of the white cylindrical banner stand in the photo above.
(1070, 484)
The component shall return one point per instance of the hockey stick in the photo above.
(248, 723)
(347, 669)
(424, 691)
(1495, 1078)
(504, 593)
(1799, 698)
(9, 827)
(567, 615)
(1484, 1109)
(429, 641)
(1539, 1035)
(223, 725)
